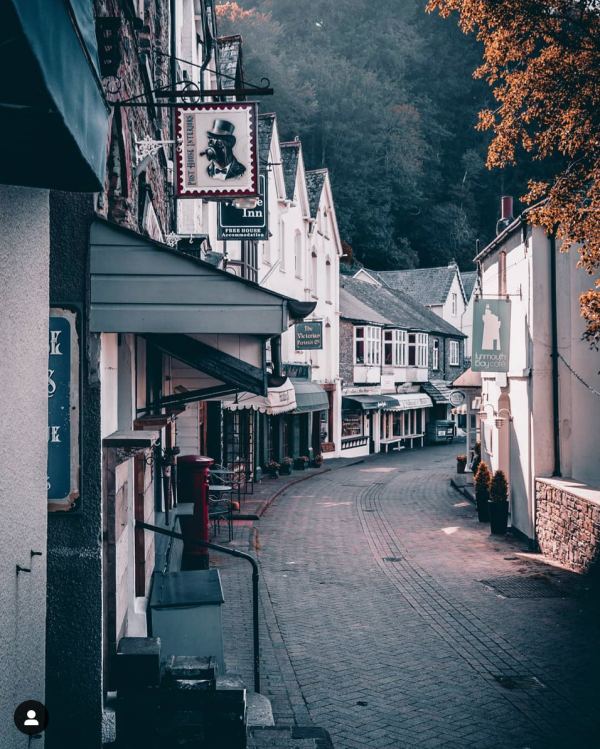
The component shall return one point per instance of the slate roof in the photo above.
(230, 54)
(402, 310)
(353, 309)
(469, 280)
(290, 155)
(214, 258)
(265, 135)
(437, 390)
(314, 185)
(430, 286)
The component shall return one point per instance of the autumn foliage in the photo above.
(542, 59)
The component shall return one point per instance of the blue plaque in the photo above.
(63, 411)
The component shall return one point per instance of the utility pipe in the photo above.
(554, 354)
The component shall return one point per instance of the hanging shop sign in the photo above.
(245, 223)
(63, 410)
(309, 335)
(456, 397)
(300, 371)
(217, 152)
(491, 335)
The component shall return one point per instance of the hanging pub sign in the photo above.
(309, 335)
(244, 223)
(491, 335)
(217, 152)
(63, 411)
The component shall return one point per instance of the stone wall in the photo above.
(347, 352)
(568, 522)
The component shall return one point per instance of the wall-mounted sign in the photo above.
(491, 335)
(309, 335)
(217, 153)
(63, 410)
(456, 398)
(245, 223)
(301, 371)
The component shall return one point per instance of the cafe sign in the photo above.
(491, 335)
(63, 480)
(244, 223)
(309, 335)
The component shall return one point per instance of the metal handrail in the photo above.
(232, 553)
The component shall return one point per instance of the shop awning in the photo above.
(54, 117)
(468, 379)
(279, 400)
(438, 391)
(142, 286)
(410, 401)
(310, 396)
(233, 372)
(369, 402)
(462, 410)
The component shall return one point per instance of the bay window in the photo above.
(417, 349)
(367, 346)
(395, 345)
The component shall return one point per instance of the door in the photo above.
(371, 432)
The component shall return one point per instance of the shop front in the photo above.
(361, 423)
(403, 425)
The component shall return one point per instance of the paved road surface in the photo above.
(376, 624)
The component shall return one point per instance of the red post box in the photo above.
(193, 477)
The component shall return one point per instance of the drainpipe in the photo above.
(553, 311)
(173, 66)
(276, 356)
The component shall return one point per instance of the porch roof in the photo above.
(142, 286)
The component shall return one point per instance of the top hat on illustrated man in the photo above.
(221, 140)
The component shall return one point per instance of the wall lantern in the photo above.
(498, 419)
(242, 203)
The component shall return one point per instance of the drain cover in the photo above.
(519, 682)
(392, 559)
(523, 587)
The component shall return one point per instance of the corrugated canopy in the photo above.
(279, 400)
(309, 396)
(410, 401)
(369, 402)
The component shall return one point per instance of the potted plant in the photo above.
(286, 467)
(498, 504)
(273, 469)
(461, 463)
(318, 461)
(482, 481)
(301, 463)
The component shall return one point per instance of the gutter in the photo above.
(554, 354)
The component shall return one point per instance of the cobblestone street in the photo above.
(376, 624)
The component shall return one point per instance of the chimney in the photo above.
(507, 214)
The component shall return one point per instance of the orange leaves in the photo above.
(542, 60)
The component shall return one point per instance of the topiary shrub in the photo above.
(499, 488)
(483, 479)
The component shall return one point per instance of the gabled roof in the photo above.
(430, 286)
(290, 155)
(314, 185)
(469, 280)
(402, 310)
(353, 309)
(266, 124)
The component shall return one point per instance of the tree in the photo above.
(542, 60)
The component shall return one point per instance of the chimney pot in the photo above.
(507, 207)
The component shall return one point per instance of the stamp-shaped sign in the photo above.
(217, 151)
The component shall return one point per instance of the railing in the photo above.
(232, 553)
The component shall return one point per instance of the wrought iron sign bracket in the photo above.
(149, 147)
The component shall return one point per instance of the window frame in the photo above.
(454, 303)
(454, 358)
(435, 364)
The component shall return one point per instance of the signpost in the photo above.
(63, 411)
(245, 223)
(309, 335)
(456, 398)
(491, 335)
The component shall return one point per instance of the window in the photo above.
(454, 305)
(367, 346)
(282, 247)
(352, 423)
(454, 354)
(388, 348)
(314, 282)
(436, 354)
(417, 349)
(328, 281)
(400, 347)
(298, 254)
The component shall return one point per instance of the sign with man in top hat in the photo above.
(217, 151)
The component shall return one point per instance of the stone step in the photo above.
(288, 737)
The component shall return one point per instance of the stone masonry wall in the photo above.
(347, 352)
(567, 527)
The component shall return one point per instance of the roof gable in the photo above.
(290, 156)
(430, 286)
(266, 126)
(352, 308)
(314, 186)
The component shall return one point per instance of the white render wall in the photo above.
(24, 305)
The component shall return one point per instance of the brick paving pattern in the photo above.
(377, 627)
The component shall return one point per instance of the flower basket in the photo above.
(318, 461)
(498, 504)
(461, 463)
(301, 463)
(483, 478)
(273, 469)
(286, 467)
